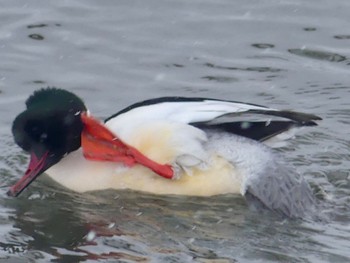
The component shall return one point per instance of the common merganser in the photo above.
(168, 145)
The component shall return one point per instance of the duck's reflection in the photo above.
(69, 227)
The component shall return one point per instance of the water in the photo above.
(284, 54)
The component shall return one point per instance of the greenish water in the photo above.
(283, 54)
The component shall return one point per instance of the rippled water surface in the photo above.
(283, 54)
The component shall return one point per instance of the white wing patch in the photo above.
(161, 131)
(181, 112)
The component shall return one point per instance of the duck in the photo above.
(188, 146)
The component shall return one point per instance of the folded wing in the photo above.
(250, 120)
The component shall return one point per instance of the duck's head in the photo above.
(55, 123)
(48, 129)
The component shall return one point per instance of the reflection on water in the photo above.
(290, 55)
(129, 226)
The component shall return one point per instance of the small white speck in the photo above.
(111, 225)
(194, 227)
(77, 113)
(191, 240)
(245, 125)
(139, 213)
(91, 236)
(229, 210)
(34, 196)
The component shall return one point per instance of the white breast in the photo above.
(78, 174)
(232, 163)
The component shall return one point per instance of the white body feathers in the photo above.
(207, 162)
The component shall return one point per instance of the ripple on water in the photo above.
(254, 69)
(263, 45)
(225, 79)
(342, 37)
(115, 52)
(317, 54)
(36, 36)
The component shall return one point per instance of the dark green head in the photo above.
(48, 129)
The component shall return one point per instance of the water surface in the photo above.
(283, 54)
